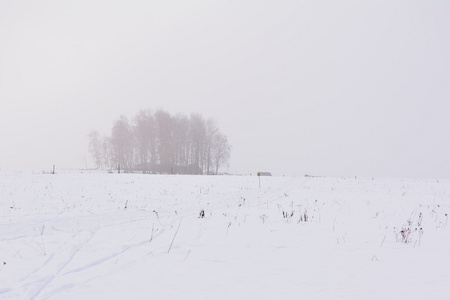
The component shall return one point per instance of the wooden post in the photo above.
(118, 168)
(53, 169)
(259, 179)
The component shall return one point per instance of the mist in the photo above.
(330, 88)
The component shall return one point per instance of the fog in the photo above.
(332, 88)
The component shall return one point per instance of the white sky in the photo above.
(335, 88)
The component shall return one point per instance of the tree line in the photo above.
(161, 143)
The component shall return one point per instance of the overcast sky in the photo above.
(334, 88)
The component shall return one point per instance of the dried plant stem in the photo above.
(174, 236)
(382, 242)
(153, 230)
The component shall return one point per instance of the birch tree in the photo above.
(161, 143)
(122, 143)
(95, 148)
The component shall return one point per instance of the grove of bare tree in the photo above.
(161, 143)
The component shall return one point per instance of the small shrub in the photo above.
(263, 218)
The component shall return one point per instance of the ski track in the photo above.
(53, 266)
(89, 267)
(75, 249)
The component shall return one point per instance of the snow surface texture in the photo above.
(127, 236)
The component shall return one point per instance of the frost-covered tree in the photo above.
(122, 143)
(197, 135)
(106, 152)
(221, 151)
(145, 139)
(210, 135)
(161, 143)
(164, 135)
(95, 148)
(181, 143)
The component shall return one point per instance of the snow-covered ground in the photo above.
(88, 235)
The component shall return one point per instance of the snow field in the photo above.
(94, 235)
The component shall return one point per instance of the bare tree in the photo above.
(122, 143)
(181, 140)
(144, 131)
(210, 136)
(164, 139)
(197, 133)
(161, 143)
(106, 151)
(95, 148)
(221, 151)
